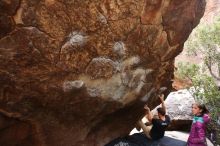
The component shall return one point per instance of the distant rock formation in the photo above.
(78, 72)
(212, 10)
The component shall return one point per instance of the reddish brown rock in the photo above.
(179, 19)
(152, 12)
(8, 8)
(6, 25)
(79, 72)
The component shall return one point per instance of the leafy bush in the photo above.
(205, 41)
(204, 88)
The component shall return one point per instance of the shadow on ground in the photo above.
(139, 139)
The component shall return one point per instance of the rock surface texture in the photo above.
(78, 72)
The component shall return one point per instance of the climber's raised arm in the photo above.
(149, 115)
(162, 102)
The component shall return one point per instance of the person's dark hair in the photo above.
(203, 108)
(161, 111)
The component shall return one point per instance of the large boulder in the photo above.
(78, 72)
(179, 108)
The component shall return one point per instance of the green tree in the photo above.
(204, 88)
(205, 40)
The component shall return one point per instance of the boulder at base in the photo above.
(179, 108)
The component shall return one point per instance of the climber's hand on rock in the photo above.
(161, 97)
(147, 108)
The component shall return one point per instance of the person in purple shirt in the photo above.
(197, 136)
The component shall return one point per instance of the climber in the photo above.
(158, 124)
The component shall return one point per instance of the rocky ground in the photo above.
(171, 138)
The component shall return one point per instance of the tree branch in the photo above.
(208, 64)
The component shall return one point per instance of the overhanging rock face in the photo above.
(78, 72)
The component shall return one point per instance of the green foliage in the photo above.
(207, 92)
(187, 70)
(205, 41)
(203, 37)
(204, 87)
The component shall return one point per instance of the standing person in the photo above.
(157, 130)
(200, 120)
